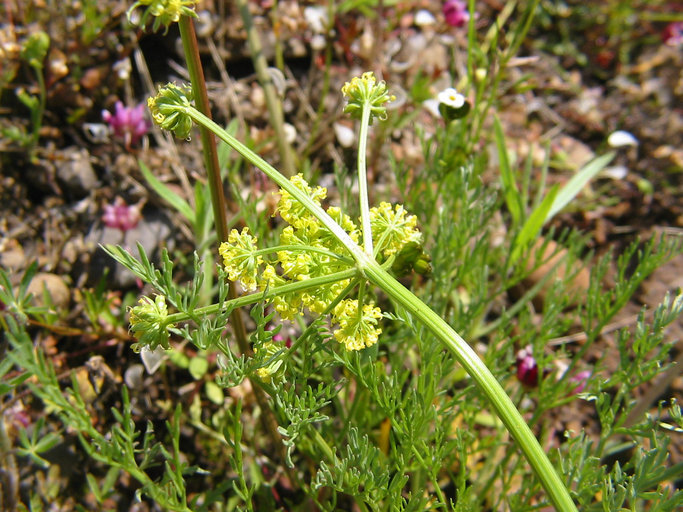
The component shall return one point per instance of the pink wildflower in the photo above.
(673, 33)
(128, 123)
(121, 216)
(527, 369)
(456, 13)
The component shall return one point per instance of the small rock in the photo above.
(153, 232)
(152, 359)
(345, 135)
(616, 172)
(75, 172)
(134, 376)
(621, 138)
(55, 286)
(424, 18)
(11, 255)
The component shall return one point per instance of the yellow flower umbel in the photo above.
(393, 228)
(366, 90)
(357, 329)
(148, 323)
(239, 259)
(308, 250)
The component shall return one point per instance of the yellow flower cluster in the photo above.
(243, 264)
(309, 250)
(239, 259)
(357, 329)
(292, 211)
(393, 228)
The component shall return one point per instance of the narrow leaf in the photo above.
(533, 224)
(577, 182)
(167, 194)
(513, 199)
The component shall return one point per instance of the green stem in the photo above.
(484, 379)
(303, 248)
(272, 101)
(253, 298)
(363, 181)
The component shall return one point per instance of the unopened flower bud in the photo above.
(366, 91)
(168, 112)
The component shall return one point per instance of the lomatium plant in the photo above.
(375, 402)
(327, 265)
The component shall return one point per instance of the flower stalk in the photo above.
(363, 183)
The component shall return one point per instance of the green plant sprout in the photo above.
(33, 52)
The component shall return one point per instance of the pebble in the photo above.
(75, 172)
(56, 287)
(152, 232)
(345, 135)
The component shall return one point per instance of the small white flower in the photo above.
(452, 98)
(621, 138)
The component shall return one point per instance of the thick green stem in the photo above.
(253, 298)
(363, 182)
(484, 379)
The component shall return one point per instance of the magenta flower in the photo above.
(127, 123)
(121, 216)
(527, 369)
(673, 33)
(456, 13)
(280, 338)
